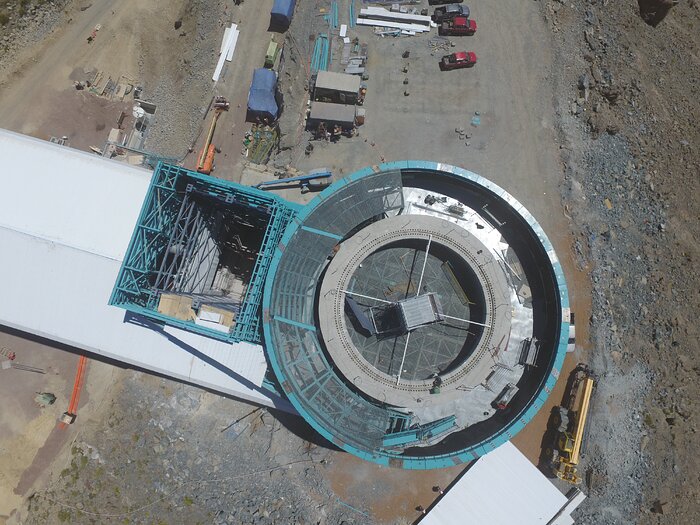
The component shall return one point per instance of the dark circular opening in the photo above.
(391, 275)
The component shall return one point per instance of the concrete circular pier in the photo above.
(415, 314)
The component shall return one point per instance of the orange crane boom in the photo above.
(205, 161)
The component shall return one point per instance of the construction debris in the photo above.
(440, 43)
(93, 35)
(6, 365)
(61, 141)
(8, 353)
(44, 399)
(111, 89)
(258, 143)
(228, 45)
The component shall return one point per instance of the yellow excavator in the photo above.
(571, 423)
(205, 161)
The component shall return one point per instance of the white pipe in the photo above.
(366, 297)
(425, 261)
(408, 337)
(466, 320)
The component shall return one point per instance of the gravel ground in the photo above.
(163, 452)
(21, 32)
(182, 73)
(627, 100)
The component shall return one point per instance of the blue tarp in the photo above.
(282, 12)
(261, 97)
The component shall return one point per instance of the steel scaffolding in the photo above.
(178, 240)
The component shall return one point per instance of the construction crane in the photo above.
(571, 423)
(205, 161)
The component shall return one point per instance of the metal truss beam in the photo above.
(174, 239)
(247, 325)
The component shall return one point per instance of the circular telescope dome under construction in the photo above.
(416, 315)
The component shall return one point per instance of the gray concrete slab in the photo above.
(411, 391)
(515, 143)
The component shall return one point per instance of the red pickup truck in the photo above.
(458, 26)
(458, 60)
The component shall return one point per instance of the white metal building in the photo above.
(66, 218)
(503, 488)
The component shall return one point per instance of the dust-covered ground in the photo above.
(625, 96)
(628, 102)
(46, 50)
(162, 452)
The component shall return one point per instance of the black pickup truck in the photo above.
(445, 13)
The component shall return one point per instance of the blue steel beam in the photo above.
(248, 323)
(420, 433)
(148, 240)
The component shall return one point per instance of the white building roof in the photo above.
(338, 82)
(502, 488)
(70, 197)
(66, 218)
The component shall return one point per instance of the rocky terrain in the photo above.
(628, 101)
(181, 72)
(23, 23)
(627, 85)
(168, 453)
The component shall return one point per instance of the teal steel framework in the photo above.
(366, 429)
(247, 326)
(294, 249)
(134, 288)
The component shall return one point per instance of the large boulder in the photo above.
(654, 11)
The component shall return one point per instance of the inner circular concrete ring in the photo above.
(334, 329)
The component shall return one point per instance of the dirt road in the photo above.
(233, 85)
(47, 69)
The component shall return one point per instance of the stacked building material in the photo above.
(352, 13)
(228, 45)
(319, 57)
(405, 22)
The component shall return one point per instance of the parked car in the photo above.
(445, 13)
(458, 60)
(443, 2)
(458, 26)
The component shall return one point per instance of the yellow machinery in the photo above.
(205, 161)
(572, 423)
